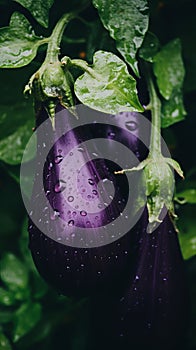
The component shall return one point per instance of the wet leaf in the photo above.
(111, 89)
(25, 319)
(18, 43)
(169, 68)
(39, 9)
(127, 22)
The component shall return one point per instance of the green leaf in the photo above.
(110, 88)
(173, 110)
(18, 43)
(39, 9)
(186, 196)
(169, 68)
(25, 319)
(187, 228)
(16, 124)
(14, 116)
(12, 147)
(127, 22)
(4, 342)
(188, 243)
(6, 297)
(150, 47)
(13, 273)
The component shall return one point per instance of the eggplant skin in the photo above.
(152, 311)
(81, 271)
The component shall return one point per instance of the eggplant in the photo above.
(71, 269)
(152, 311)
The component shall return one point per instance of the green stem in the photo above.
(56, 37)
(85, 67)
(155, 139)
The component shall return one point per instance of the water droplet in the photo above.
(70, 199)
(58, 159)
(137, 277)
(111, 134)
(94, 192)
(47, 192)
(100, 205)
(131, 125)
(95, 154)
(83, 213)
(80, 149)
(71, 153)
(91, 182)
(50, 166)
(55, 215)
(60, 186)
(70, 222)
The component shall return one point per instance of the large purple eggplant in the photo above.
(152, 311)
(54, 226)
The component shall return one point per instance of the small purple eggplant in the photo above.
(70, 269)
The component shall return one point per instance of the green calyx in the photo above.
(157, 181)
(53, 83)
(158, 184)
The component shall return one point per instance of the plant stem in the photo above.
(85, 67)
(155, 139)
(56, 36)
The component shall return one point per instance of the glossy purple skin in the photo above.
(81, 271)
(151, 312)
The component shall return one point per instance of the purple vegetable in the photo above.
(152, 311)
(82, 270)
